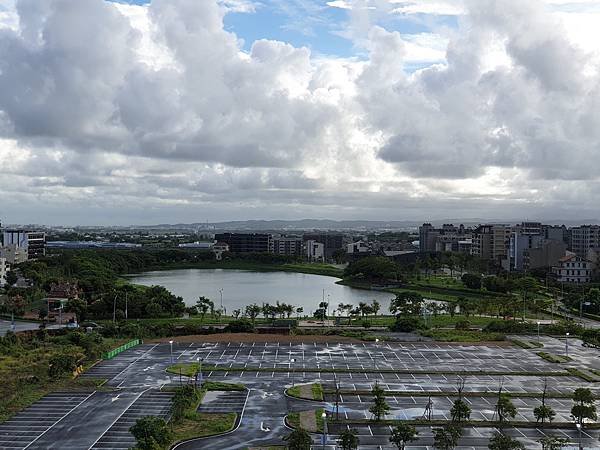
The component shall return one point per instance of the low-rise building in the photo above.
(573, 268)
(247, 242)
(360, 248)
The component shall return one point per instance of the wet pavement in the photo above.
(102, 419)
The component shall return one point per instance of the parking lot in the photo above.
(150, 403)
(101, 420)
(28, 426)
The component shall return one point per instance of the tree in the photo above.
(446, 438)
(14, 304)
(298, 439)
(543, 413)
(253, 311)
(500, 441)
(460, 411)
(373, 268)
(151, 433)
(236, 313)
(584, 407)
(204, 305)
(349, 440)
(379, 408)
(527, 285)
(78, 307)
(471, 281)
(407, 304)
(375, 306)
(402, 434)
(505, 408)
(553, 442)
(299, 311)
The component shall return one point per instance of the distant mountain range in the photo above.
(327, 224)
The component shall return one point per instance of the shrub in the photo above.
(61, 363)
(240, 326)
(462, 325)
(407, 324)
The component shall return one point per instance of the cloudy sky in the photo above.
(188, 110)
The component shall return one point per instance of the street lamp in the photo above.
(292, 361)
(171, 344)
(538, 324)
(324, 416)
(567, 344)
(199, 373)
(376, 345)
(578, 425)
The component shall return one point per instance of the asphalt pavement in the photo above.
(102, 419)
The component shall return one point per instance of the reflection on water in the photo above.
(242, 287)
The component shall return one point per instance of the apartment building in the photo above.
(573, 269)
(288, 245)
(315, 251)
(246, 242)
(332, 242)
(583, 238)
(32, 241)
(492, 242)
(3, 271)
(14, 255)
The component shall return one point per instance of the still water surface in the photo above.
(242, 287)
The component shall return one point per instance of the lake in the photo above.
(243, 287)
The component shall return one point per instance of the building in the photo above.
(492, 242)
(3, 271)
(197, 245)
(445, 239)
(246, 242)
(573, 268)
(548, 254)
(33, 241)
(14, 255)
(526, 236)
(315, 251)
(360, 248)
(332, 242)
(218, 249)
(288, 245)
(583, 238)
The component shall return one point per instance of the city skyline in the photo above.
(139, 112)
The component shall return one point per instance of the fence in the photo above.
(122, 348)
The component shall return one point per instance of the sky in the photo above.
(170, 111)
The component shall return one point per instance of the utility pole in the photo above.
(115, 308)
(125, 305)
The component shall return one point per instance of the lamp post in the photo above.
(578, 425)
(171, 344)
(199, 373)
(292, 361)
(324, 416)
(538, 324)
(376, 345)
(567, 344)
(221, 292)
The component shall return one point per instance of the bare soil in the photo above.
(249, 337)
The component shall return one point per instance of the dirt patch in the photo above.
(308, 421)
(306, 391)
(249, 337)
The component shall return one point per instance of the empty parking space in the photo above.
(223, 402)
(150, 403)
(109, 369)
(27, 426)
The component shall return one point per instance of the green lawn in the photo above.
(462, 336)
(202, 425)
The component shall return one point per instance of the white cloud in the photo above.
(145, 111)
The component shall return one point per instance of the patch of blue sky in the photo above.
(313, 31)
